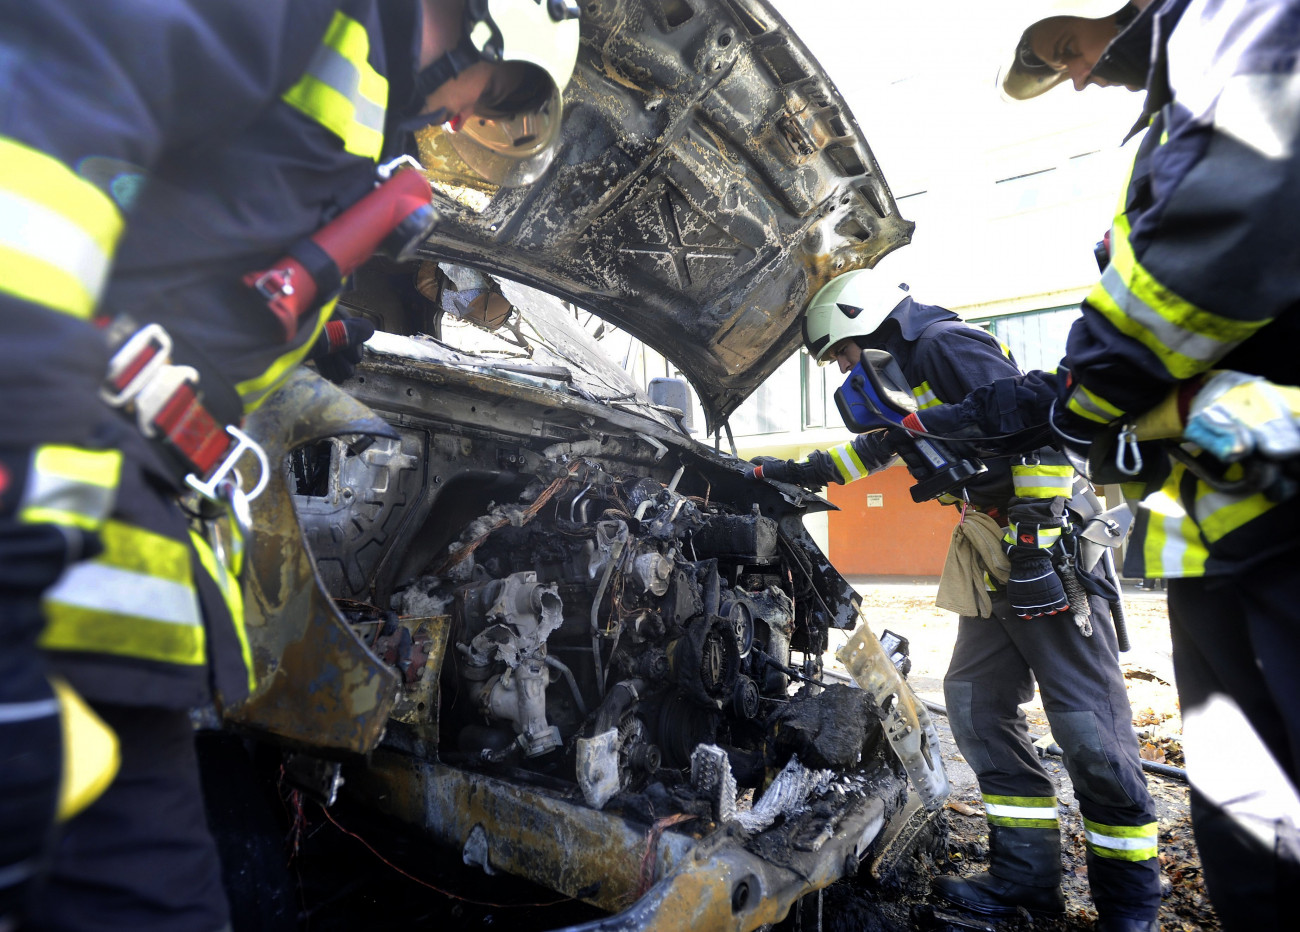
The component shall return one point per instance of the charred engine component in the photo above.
(617, 756)
(748, 538)
(506, 623)
(706, 661)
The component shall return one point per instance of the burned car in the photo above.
(500, 595)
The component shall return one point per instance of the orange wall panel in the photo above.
(897, 538)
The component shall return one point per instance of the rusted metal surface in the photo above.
(710, 180)
(703, 876)
(318, 686)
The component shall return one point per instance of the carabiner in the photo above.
(1128, 457)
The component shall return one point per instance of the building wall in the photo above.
(880, 531)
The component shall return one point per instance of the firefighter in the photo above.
(151, 155)
(1028, 632)
(1201, 277)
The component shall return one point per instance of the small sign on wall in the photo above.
(875, 500)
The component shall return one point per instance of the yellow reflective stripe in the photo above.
(1122, 842)
(925, 396)
(1185, 338)
(71, 486)
(78, 628)
(59, 232)
(1021, 811)
(341, 90)
(234, 598)
(1090, 405)
(1172, 547)
(1219, 514)
(1046, 537)
(847, 462)
(1042, 480)
(255, 390)
(136, 550)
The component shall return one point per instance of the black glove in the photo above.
(779, 470)
(1034, 589)
(338, 349)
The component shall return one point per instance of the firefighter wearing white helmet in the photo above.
(853, 305)
(1015, 631)
(508, 134)
(1072, 40)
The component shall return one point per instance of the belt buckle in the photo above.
(151, 336)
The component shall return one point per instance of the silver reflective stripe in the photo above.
(1120, 844)
(1173, 337)
(925, 396)
(27, 711)
(851, 468)
(43, 234)
(14, 874)
(1261, 111)
(110, 589)
(50, 492)
(1003, 811)
(330, 67)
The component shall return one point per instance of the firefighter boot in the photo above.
(1025, 872)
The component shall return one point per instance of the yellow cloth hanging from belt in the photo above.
(975, 556)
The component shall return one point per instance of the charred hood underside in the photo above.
(711, 179)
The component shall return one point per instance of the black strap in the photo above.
(320, 266)
(444, 69)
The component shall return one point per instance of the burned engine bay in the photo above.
(560, 625)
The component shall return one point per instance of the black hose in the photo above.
(1150, 766)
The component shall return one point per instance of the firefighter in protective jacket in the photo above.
(151, 156)
(1027, 634)
(1202, 276)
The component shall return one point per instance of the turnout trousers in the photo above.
(994, 664)
(1236, 652)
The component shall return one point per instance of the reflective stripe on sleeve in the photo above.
(1042, 480)
(1185, 338)
(1122, 842)
(1093, 407)
(1044, 538)
(925, 396)
(59, 232)
(847, 462)
(1021, 811)
(71, 486)
(341, 90)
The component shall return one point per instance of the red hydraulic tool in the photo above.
(391, 220)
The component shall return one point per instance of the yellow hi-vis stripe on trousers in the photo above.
(1021, 811)
(1121, 842)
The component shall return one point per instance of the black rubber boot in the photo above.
(986, 895)
(1024, 871)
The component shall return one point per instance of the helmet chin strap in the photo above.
(447, 68)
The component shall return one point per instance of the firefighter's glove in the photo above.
(1236, 415)
(1036, 528)
(1034, 589)
(779, 470)
(338, 349)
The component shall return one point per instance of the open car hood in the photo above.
(710, 180)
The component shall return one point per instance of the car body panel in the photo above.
(711, 180)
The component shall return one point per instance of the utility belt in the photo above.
(190, 417)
